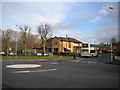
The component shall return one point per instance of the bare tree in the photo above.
(25, 33)
(114, 44)
(45, 32)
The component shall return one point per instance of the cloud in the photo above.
(106, 13)
(65, 18)
(95, 20)
(33, 14)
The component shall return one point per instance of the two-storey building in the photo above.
(63, 44)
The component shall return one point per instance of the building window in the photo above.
(55, 49)
(49, 49)
(55, 42)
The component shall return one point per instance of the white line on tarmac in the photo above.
(94, 62)
(44, 70)
(28, 71)
(100, 63)
(54, 63)
(89, 62)
(82, 61)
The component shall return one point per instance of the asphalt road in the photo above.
(85, 73)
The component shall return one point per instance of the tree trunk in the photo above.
(25, 48)
(44, 51)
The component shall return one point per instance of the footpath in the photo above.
(107, 59)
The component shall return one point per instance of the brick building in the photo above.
(63, 44)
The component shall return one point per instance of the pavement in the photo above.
(85, 73)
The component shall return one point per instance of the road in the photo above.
(84, 73)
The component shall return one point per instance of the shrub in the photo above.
(117, 53)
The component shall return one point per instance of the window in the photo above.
(55, 42)
(84, 45)
(92, 51)
(55, 49)
(91, 45)
(49, 50)
(85, 50)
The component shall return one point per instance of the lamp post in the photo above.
(66, 45)
(111, 52)
(111, 7)
(16, 43)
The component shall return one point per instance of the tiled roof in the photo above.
(68, 39)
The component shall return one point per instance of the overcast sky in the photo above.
(86, 21)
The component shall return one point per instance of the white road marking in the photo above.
(77, 61)
(94, 62)
(28, 71)
(89, 62)
(44, 70)
(21, 72)
(82, 61)
(54, 63)
(23, 66)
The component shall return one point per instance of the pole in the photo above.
(66, 45)
(16, 47)
(111, 53)
(16, 43)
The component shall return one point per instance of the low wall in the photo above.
(117, 58)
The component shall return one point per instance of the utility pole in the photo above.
(16, 43)
(111, 53)
(111, 7)
(66, 45)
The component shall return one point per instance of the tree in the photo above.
(25, 33)
(44, 32)
(6, 38)
(113, 40)
(114, 44)
(0, 39)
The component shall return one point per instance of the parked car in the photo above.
(40, 54)
(12, 53)
(29, 53)
(46, 54)
(2, 53)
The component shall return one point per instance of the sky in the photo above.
(86, 21)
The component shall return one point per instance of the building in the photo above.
(63, 44)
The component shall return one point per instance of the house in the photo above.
(63, 45)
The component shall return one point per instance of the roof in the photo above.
(69, 39)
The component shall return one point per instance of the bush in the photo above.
(117, 53)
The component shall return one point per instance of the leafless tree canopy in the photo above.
(45, 32)
(25, 34)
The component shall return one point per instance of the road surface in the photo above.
(82, 73)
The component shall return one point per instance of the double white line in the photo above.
(28, 71)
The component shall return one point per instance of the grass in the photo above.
(32, 57)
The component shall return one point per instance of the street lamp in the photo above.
(66, 45)
(111, 7)
(16, 42)
(111, 52)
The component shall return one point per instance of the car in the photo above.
(12, 53)
(45, 54)
(2, 53)
(29, 53)
(40, 54)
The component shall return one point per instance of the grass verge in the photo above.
(31, 57)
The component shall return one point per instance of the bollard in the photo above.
(74, 57)
(60, 58)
